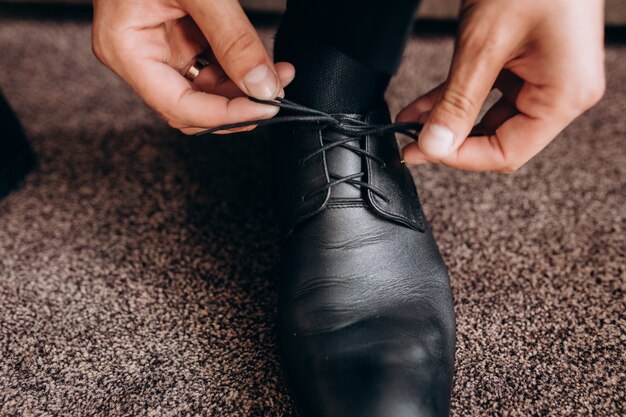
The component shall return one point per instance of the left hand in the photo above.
(151, 44)
(547, 59)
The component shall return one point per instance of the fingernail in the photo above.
(409, 158)
(436, 141)
(416, 160)
(261, 82)
(270, 111)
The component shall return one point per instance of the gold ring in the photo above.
(194, 70)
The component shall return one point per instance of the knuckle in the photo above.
(174, 123)
(188, 131)
(583, 94)
(97, 49)
(506, 171)
(594, 91)
(236, 46)
(509, 167)
(485, 40)
(457, 103)
(106, 47)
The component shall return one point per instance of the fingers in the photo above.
(499, 113)
(186, 43)
(236, 45)
(419, 110)
(184, 108)
(515, 138)
(478, 59)
(286, 72)
(511, 146)
(548, 80)
(213, 79)
(152, 44)
(519, 135)
(509, 85)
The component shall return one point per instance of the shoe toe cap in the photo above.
(387, 374)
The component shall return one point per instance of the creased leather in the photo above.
(365, 314)
(299, 180)
(296, 179)
(403, 204)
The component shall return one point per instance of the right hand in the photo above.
(151, 44)
(547, 60)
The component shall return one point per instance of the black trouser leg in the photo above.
(373, 32)
(344, 51)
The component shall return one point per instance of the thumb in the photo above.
(473, 72)
(236, 45)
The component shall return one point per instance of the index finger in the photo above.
(236, 45)
(173, 97)
(511, 146)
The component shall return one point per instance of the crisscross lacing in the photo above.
(346, 124)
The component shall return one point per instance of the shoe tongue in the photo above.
(302, 173)
(342, 162)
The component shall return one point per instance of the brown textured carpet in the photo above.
(138, 266)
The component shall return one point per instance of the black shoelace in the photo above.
(345, 124)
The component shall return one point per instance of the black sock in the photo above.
(326, 78)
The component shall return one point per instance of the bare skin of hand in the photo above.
(151, 45)
(547, 60)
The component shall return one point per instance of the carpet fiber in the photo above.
(138, 266)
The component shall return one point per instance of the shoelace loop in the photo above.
(345, 124)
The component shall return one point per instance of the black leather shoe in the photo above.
(366, 319)
(16, 156)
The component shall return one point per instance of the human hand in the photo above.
(546, 58)
(151, 44)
